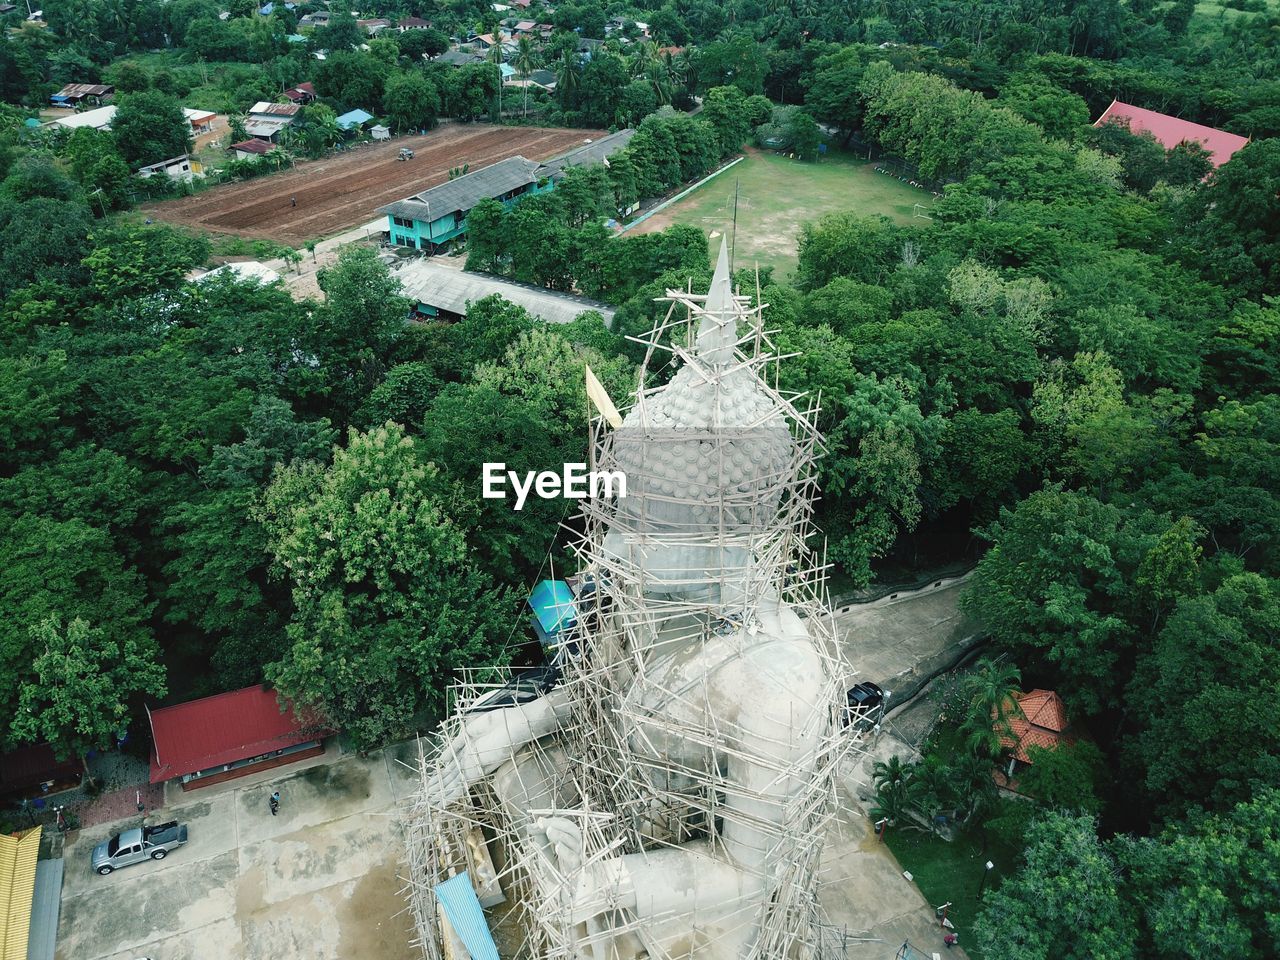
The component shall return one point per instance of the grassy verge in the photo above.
(952, 872)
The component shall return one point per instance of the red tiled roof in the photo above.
(1042, 723)
(207, 733)
(1171, 131)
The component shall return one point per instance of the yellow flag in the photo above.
(598, 396)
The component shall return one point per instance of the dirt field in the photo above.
(346, 190)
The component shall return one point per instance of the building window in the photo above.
(402, 222)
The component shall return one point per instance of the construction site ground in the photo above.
(317, 198)
(321, 880)
(317, 881)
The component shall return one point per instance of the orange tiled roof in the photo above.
(1042, 723)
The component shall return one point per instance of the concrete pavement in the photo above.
(318, 881)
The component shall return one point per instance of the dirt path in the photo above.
(321, 197)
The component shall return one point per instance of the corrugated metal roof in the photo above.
(462, 907)
(74, 90)
(463, 193)
(224, 728)
(45, 907)
(1171, 131)
(446, 288)
(17, 889)
(595, 152)
(353, 118)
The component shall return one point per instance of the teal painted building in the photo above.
(432, 218)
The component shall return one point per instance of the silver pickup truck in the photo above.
(134, 846)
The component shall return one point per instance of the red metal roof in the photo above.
(1171, 131)
(224, 728)
(1042, 723)
(252, 145)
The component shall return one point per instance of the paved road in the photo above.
(898, 642)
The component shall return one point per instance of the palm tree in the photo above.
(644, 55)
(891, 774)
(567, 77)
(526, 60)
(656, 77)
(989, 691)
(495, 56)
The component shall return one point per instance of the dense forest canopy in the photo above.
(1068, 376)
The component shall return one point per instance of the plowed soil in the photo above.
(346, 190)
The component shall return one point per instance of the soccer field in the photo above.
(776, 195)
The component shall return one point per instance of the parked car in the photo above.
(864, 705)
(404, 154)
(525, 686)
(134, 846)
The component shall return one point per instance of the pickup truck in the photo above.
(134, 846)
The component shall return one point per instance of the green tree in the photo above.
(387, 605)
(1211, 723)
(1199, 888)
(1064, 903)
(361, 319)
(150, 126)
(1058, 583)
(411, 102)
(82, 683)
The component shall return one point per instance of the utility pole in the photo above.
(733, 239)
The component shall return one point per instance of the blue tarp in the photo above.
(553, 609)
(462, 907)
(354, 119)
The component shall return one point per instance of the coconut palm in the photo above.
(567, 77)
(656, 78)
(525, 60)
(496, 58)
(644, 55)
(989, 692)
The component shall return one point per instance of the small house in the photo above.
(251, 149)
(200, 121)
(319, 18)
(412, 23)
(374, 26)
(1039, 719)
(429, 219)
(459, 58)
(302, 94)
(230, 735)
(354, 120)
(99, 119)
(379, 132)
(182, 168)
(76, 95)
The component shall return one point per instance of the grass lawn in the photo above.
(951, 872)
(777, 195)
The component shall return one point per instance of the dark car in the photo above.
(864, 705)
(527, 685)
